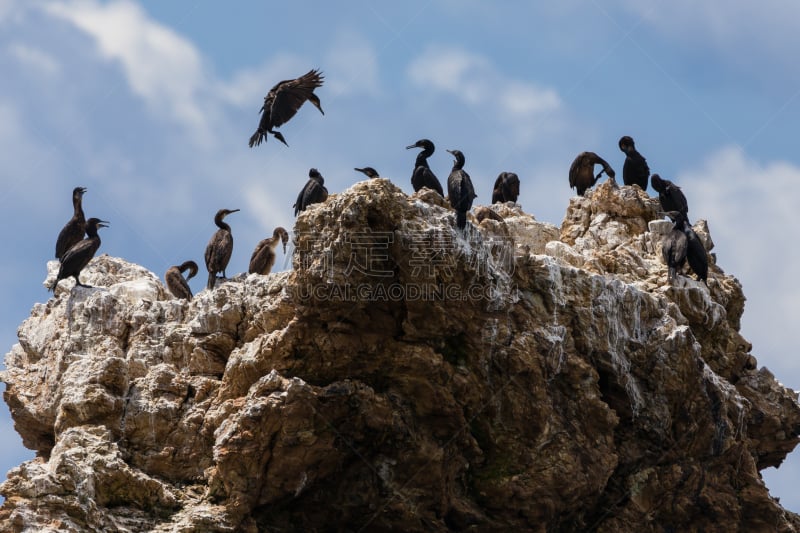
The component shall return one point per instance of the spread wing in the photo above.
(290, 95)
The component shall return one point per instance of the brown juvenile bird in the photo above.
(78, 256)
(581, 172)
(282, 103)
(506, 188)
(675, 246)
(219, 248)
(176, 283)
(263, 258)
(74, 230)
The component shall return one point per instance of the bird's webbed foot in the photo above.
(278, 135)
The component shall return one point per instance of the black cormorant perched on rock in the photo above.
(460, 190)
(313, 192)
(669, 195)
(423, 176)
(73, 231)
(506, 188)
(370, 172)
(581, 171)
(675, 245)
(176, 283)
(696, 253)
(635, 170)
(263, 258)
(78, 256)
(283, 101)
(219, 248)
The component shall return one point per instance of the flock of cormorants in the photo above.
(283, 101)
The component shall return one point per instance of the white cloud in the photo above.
(161, 66)
(473, 79)
(34, 58)
(753, 221)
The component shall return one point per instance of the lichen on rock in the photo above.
(405, 376)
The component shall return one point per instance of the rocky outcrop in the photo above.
(405, 377)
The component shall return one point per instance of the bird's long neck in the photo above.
(422, 157)
(221, 223)
(77, 206)
(91, 232)
(458, 164)
(191, 266)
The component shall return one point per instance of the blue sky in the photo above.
(150, 105)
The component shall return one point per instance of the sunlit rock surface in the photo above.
(405, 377)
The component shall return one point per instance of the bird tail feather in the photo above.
(256, 138)
(461, 219)
(212, 279)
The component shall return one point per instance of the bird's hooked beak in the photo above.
(232, 211)
(103, 224)
(410, 147)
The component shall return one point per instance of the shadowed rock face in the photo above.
(405, 377)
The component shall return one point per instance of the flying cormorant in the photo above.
(369, 171)
(669, 195)
(313, 192)
(581, 171)
(675, 246)
(78, 256)
(72, 233)
(635, 170)
(696, 253)
(460, 190)
(176, 283)
(506, 188)
(283, 101)
(219, 248)
(423, 176)
(263, 258)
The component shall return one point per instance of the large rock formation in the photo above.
(405, 377)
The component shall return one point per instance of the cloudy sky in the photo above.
(150, 105)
